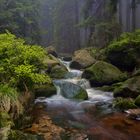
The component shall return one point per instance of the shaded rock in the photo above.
(67, 58)
(51, 50)
(124, 104)
(58, 72)
(137, 101)
(82, 59)
(129, 88)
(71, 91)
(102, 73)
(124, 52)
(46, 90)
(55, 69)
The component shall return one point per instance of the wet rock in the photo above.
(134, 113)
(129, 88)
(67, 58)
(137, 101)
(71, 91)
(58, 72)
(82, 59)
(44, 126)
(46, 90)
(102, 73)
(124, 104)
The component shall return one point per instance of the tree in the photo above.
(21, 18)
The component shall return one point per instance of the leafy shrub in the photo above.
(21, 65)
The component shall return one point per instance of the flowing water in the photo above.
(92, 116)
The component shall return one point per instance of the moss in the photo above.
(81, 95)
(123, 104)
(125, 51)
(129, 88)
(58, 72)
(102, 73)
(137, 101)
(44, 90)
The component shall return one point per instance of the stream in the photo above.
(94, 117)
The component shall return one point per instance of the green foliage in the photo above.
(21, 65)
(11, 93)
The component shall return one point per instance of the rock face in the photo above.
(71, 91)
(82, 59)
(102, 73)
(130, 88)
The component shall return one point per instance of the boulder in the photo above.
(71, 91)
(46, 90)
(82, 59)
(129, 88)
(124, 51)
(124, 104)
(102, 73)
(137, 101)
(51, 50)
(55, 69)
(58, 72)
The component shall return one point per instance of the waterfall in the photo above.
(74, 77)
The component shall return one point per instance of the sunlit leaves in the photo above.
(21, 63)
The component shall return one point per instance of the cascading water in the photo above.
(58, 102)
(93, 117)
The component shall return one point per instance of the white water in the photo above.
(95, 96)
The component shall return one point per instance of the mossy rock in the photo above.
(124, 52)
(137, 101)
(124, 104)
(58, 72)
(19, 135)
(103, 73)
(129, 88)
(71, 91)
(82, 59)
(46, 90)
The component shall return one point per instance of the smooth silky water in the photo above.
(87, 115)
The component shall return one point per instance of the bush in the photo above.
(21, 65)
